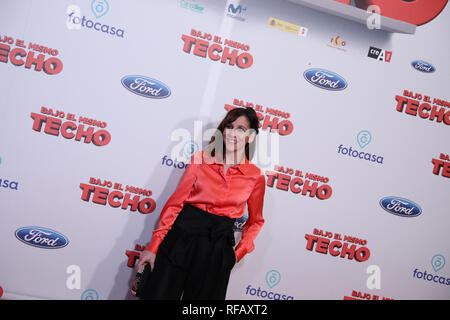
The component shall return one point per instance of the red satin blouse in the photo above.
(205, 185)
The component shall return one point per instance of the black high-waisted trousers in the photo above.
(195, 258)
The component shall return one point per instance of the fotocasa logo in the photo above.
(272, 279)
(76, 20)
(193, 5)
(363, 138)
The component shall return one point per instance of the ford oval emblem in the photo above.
(400, 207)
(146, 87)
(325, 79)
(41, 237)
(423, 66)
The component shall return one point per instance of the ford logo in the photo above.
(146, 87)
(400, 207)
(423, 66)
(41, 237)
(325, 79)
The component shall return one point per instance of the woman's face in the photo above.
(237, 133)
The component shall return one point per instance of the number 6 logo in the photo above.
(416, 12)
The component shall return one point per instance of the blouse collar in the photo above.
(243, 166)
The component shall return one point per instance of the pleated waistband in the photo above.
(195, 221)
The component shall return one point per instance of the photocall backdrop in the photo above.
(104, 102)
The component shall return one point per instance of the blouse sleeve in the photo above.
(255, 219)
(174, 204)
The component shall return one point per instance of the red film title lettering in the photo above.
(54, 126)
(43, 49)
(284, 170)
(199, 34)
(216, 52)
(323, 245)
(425, 110)
(133, 255)
(92, 122)
(50, 66)
(326, 234)
(283, 127)
(286, 183)
(99, 182)
(50, 112)
(275, 112)
(102, 196)
(442, 165)
(7, 39)
(366, 296)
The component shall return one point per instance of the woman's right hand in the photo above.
(146, 256)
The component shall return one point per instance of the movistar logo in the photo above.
(236, 10)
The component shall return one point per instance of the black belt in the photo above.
(213, 233)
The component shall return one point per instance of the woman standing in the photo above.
(191, 253)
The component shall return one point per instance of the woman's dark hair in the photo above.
(230, 117)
